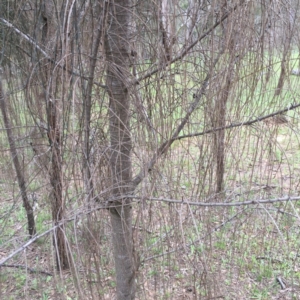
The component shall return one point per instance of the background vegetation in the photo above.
(149, 149)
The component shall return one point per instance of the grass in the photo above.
(234, 253)
(244, 252)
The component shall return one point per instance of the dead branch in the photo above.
(31, 41)
(31, 270)
(187, 48)
(106, 205)
(247, 123)
(218, 204)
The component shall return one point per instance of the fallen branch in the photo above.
(282, 283)
(27, 269)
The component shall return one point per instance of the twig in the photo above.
(186, 49)
(281, 282)
(196, 241)
(25, 37)
(27, 269)
(216, 204)
(250, 122)
(272, 260)
(220, 226)
(36, 237)
(23, 247)
(31, 41)
(107, 205)
(279, 211)
(164, 147)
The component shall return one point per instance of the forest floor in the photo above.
(185, 252)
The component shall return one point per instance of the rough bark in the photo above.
(17, 165)
(117, 54)
(57, 201)
(220, 107)
(220, 135)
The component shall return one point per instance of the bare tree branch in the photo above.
(218, 204)
(195, 241)
(31, 41)
(167, 144)
(247, 123)
(105, 206)
(186, 49)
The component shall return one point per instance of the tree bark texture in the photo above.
(117, 54)
(52, 88)
(220, 107)
(16, 162)
(57, 201)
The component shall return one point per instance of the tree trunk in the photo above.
(57, 201)
(220, 135)
(220, 108)
(52, 85)
(15, 158)
(117, 54)
(88, 180)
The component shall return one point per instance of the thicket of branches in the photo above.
(111, 109)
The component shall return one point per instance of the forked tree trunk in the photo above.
(17, 165)
(117, 54)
